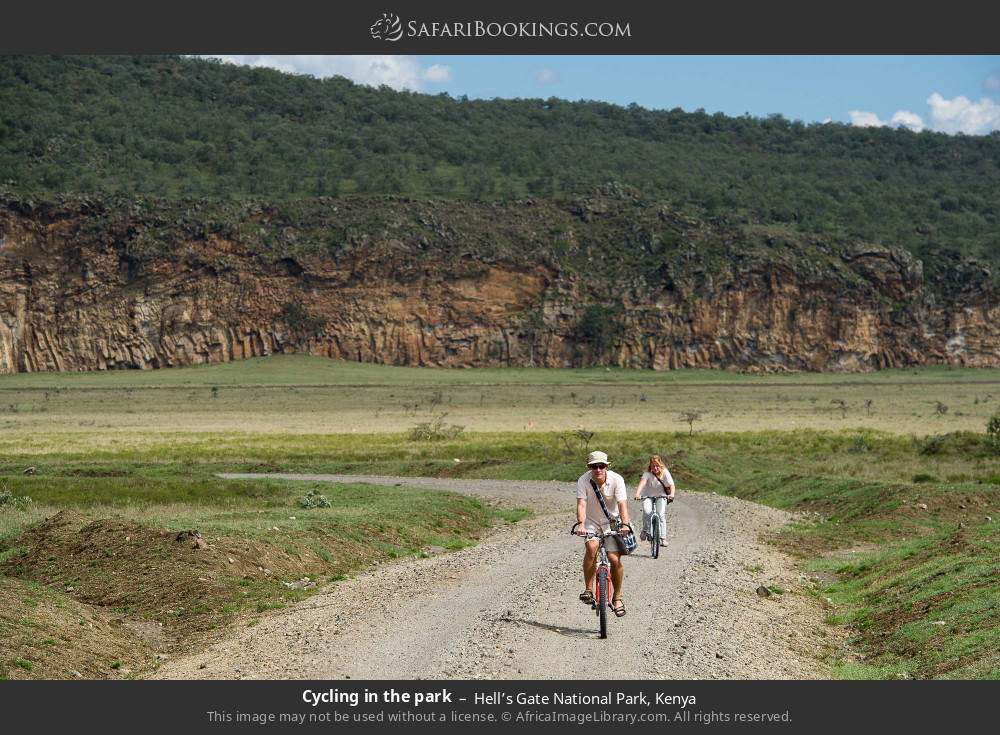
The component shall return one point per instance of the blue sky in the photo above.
(947, 93)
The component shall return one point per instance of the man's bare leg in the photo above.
(617, 573)
(590, 563)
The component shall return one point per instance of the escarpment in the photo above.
(607, 279)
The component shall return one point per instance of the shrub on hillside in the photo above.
(10, 500)
(860, 444)
(300, 320)
(955, 443)
(314, 499)
(993, 432)
(436, 430)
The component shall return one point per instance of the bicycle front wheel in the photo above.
(602, 600)
(654, 539)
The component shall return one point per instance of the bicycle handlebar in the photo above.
(590, 534)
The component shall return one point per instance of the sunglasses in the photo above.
(598, 466)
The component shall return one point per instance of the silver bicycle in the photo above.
(654, 526)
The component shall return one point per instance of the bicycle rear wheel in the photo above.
(602, 600)
(654, 539)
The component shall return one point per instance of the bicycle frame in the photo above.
(602, 578)
(654, 524)
(654, 534)
(602, 573)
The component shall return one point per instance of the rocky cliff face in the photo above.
(87, 286)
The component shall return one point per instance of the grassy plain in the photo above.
(900, 508)
(311, 395)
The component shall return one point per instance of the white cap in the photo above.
(597, 457)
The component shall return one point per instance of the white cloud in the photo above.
(961, 115)
(398, 72)
(862, 119)
(907, 119)
(547, 76)
(958, 115)
(437, 73)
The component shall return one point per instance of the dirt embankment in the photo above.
(46, 634)
(109, 598)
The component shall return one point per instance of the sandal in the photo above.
(587, 597)
(618, 607)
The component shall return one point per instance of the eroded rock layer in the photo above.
(604, 280)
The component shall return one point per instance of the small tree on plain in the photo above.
(690, 417)
(584, 436)
(993, 432)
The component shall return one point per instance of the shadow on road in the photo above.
(561, 630)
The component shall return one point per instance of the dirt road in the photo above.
(508, 607)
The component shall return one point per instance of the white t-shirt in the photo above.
(652, 488)
(613, 491)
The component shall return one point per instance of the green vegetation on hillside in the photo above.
(170, 126)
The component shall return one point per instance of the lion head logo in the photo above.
(387, 28)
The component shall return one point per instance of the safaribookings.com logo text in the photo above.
(390, 28)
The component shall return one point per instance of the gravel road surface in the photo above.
(508, 608)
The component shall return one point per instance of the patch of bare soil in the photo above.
(45, 634)
(161, 591)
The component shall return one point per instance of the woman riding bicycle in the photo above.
(655, 490)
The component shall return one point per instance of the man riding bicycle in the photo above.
(592, 519)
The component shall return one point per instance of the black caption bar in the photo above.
(374, 706)
(513, 27)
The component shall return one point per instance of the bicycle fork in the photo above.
(602, 579)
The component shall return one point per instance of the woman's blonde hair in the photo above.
(654, 458)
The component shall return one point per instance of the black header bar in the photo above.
(513, 27)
